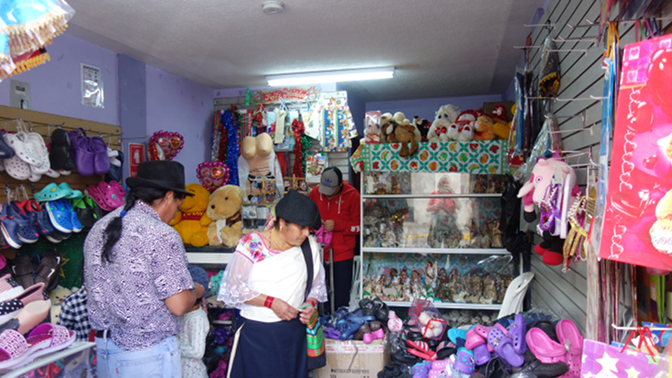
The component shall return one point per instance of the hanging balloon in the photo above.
(212, 174)
(164, 145)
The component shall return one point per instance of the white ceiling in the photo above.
(441, 48)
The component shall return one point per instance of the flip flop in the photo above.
(503, 347)
(421, 349)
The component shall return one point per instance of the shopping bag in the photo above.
(639, 194)
(602, 360)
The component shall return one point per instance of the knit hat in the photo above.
(199, 275)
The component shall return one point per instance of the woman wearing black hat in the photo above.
(267, 280)
(135, 271)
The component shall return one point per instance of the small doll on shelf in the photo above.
(489, 290)
(431, 271)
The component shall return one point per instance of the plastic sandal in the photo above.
(23, 151)
(96, 195)
(13, 348)
(9, 288)
(60, 217)
(536, 368)
(548, 328)
(44, 339)
(84, 157)
(26, 231)
(421, 369)
(331, 333)
(517, 334)
(455, 333)
(473, 339)
(394, 324)
(51, 192)
(112, 194)
(569, 336)
(76, 224)
(41, 152)
(17, 168)
(503, 347)
(545, 349)
(101, 161)
(71, 193)
(481, 355)
(464, 361)
(60, 155)
(421, 349)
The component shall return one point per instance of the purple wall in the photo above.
(426, 108)
(179, 105)
(55, 87)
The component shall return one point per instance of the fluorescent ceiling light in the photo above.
(331, 76)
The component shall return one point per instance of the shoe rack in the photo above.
(44, 124)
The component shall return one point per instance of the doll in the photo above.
(417, 290)
(378, 287)
(497, 241)
(430, 274)
(456, 287)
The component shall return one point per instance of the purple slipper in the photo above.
(504, 347)
(481, 355)
(331, 333)
(517, 335)
(464, 361)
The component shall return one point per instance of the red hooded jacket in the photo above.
(344, 210)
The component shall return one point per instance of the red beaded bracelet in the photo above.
(269, 301)
(312, 302)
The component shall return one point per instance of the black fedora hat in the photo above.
(298, 208)
(162, 174)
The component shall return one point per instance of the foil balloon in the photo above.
(164, 145)
(212, 174)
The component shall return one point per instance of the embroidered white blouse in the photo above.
(256, 269)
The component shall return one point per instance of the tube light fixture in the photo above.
(331, 76)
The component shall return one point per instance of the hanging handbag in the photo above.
(317, 358)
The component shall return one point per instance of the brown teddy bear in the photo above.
(224, 211)
(404, 134)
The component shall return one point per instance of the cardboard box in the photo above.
(354, 359)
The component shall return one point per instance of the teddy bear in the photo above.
(191, 222)
(500, 126)
(464, 126)
(445, 116)
(484, 130)
(387, 126)
(224, 211)
(423, 126)
(57, 296)
(405, 134)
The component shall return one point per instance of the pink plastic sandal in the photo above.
(13, 347)
(571, 339)
(544, 348)
(113, 194)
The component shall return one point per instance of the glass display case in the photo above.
(435, 236)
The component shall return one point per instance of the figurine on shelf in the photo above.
(480, 184)
(395, 185)
(387, 237)
(505, 285)
(378, 287)
(440, 290)
(497, 241)
(380, 188)
(455, 286)
(368, 286)
(489, 290)
(474, 285)
(431, 271)
(443, 210)
(417, 289)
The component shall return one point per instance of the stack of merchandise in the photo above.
(26, 27)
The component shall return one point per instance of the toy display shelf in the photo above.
(450, 305)
(440, 251)
(209, 255)
(76, 347)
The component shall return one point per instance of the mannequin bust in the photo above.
(257, 160)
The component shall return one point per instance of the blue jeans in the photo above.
(161, 360)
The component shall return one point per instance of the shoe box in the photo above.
(354, 359)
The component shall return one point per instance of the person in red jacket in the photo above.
(339, 206)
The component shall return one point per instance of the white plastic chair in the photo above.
(356, 288)
(515, 293)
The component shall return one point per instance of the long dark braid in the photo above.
(113, 230)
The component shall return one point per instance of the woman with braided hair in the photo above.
(135, 270)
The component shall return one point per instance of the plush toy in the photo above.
(191, 222)
(224, 211)
(432, 325)
(500, 127)
(484, 126)
(445, 116)
(57, 296)
(464, 127)
(387, 126)
(423, 126)
(404, 134)
(541, 188)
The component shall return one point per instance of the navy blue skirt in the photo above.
(270, 350)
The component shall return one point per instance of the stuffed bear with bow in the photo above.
(445, 116)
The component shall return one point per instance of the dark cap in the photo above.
(330, 179)
(298, 208)
(161, 174)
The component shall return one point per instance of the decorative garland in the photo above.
(299, 151)
(305, 144)
(232, 148)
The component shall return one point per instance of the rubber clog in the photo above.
(571, 339)
(331, 333)
(9, 228)
(545, 349)
(362, 333)
(84, 158)
(111, 194)
(57, 236)
(101, 161)
(60, 156)
(17, 168)
(495, 369)
(548, 328)
(503, 347)
(481, 355)
(23, 151)
(381, 309)
(42, 153)
(539, 369)
(473, 339)
(26, 231)
(51, 192)
(517, 334)
(455, 333)
(60, 217)
(71, 193)
(76, 224)
(115, 172)
(6, 152)
(464, 361)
